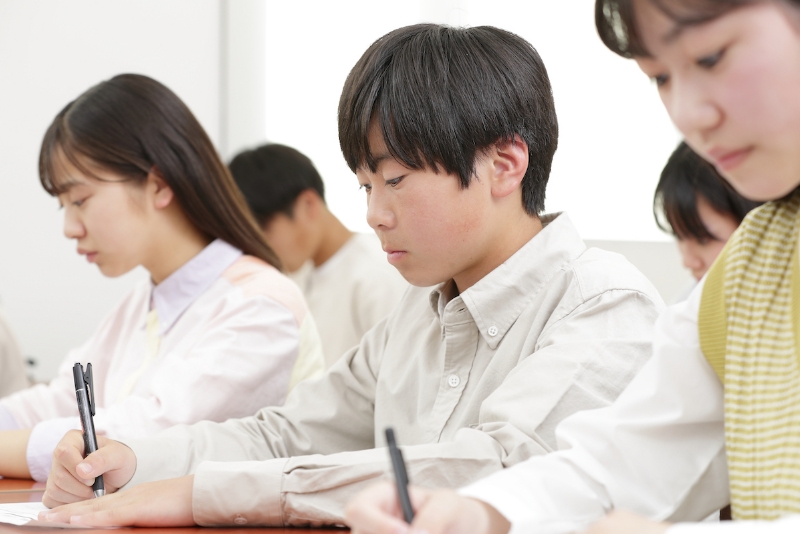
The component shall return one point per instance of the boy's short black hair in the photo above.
(441, 95)
(685, 176)
(271, 178)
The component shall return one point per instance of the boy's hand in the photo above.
(166, 503)
(620, 522)
(72, 475)
(376, 511)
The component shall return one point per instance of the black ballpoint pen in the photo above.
(400, 476)
(84, 390)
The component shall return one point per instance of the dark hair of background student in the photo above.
(441, 95)
(685, 177)
(272, 176)
(616, 22)
(131, 125)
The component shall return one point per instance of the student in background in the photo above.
(347, 281)
(697, 206)
(524, 326)
(216, 332)
(714, 417)
(12, 366)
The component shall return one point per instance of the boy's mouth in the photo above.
(394, 255)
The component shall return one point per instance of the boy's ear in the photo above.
(162, 192)
(509, 160)
(308, 204)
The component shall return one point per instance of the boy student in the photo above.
(347, 282)
(714, 416)
(451, 133)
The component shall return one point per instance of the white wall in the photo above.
(50, 52)
(308, 59)
(615, 136)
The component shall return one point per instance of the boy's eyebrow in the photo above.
(381, 158)
(377, 160)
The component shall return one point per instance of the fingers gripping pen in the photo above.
(84, 390)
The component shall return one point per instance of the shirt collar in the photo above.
(179, 290)
(498, 298)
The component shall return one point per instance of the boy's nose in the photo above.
(379, 213)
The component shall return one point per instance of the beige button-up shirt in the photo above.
(471, 384)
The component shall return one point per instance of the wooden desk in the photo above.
(28, 491)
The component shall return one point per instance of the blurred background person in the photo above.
(347, 281)
(694, 204)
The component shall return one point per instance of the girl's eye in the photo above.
(78, 203)
(709, 61)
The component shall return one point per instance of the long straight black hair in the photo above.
(131, 125)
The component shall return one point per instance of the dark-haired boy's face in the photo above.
(431, 229)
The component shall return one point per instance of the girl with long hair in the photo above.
(216, 332)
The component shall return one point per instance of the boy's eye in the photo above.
(709, 61)
(393, 182)
(366, 187)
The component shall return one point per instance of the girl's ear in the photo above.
(162, 193)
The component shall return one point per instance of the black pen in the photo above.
(400, 476)
(86, 411)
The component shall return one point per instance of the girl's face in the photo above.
(108, 220)
(732, 87)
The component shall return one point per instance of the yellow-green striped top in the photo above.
(749, 327)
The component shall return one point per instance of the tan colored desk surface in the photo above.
(28, 491)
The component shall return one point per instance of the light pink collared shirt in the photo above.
(234, 332)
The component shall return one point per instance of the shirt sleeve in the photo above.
(47, 401)
(42, 442)
(658, 450)
(286, 466)
(785, 525)
(7, 421)
(321, 416)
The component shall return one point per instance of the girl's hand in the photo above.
(72, 475)
(376, 511)
(166, 503)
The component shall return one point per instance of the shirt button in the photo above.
(454, 381)
(239, 520)
(492, 331)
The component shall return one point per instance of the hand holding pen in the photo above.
(84, 391)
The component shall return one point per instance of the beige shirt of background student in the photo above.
(350, 293)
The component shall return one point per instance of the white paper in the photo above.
(20, 513)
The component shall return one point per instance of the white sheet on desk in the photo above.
(20, 513)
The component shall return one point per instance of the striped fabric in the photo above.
(748, 328)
